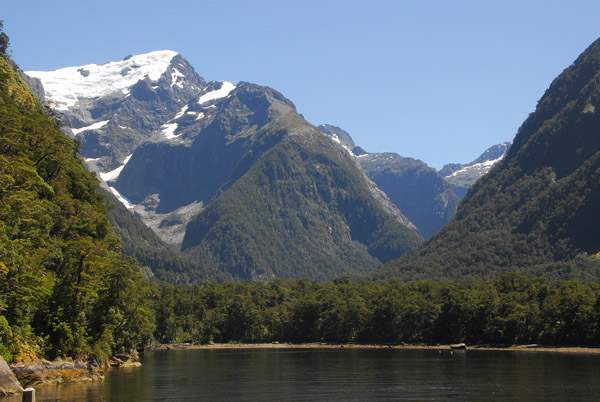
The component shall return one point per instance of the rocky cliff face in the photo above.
(9, 385)
(205, 153)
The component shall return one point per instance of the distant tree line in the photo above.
(512, 308)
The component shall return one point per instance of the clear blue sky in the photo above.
(440, 81)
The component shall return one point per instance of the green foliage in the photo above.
(7, 341)
(4, 41)
(512, 308)
(64, 288)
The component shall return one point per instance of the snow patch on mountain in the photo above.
(175, 74)
(114, 174)
(479, 167)
(181, 112)
(226, 88)
(94, 126)
(335, 138)
(124, 200)
(168, 130)
(64, 87)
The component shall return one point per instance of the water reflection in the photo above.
(342, 375)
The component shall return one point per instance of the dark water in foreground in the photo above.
(343, 375)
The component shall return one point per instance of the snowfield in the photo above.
(65, 86)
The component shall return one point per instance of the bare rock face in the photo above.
(9, 385)
(59, 371)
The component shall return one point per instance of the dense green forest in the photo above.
(512, 308)
(65, 288)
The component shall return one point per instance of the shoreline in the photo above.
(316, 345)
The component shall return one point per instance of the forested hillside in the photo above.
(65, 289)
(537, 210)
(415, 188)
(302, 209)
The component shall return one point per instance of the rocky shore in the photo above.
(9, 385)
(60, 371)
(36, 372)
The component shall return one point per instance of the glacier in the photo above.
(65, 86)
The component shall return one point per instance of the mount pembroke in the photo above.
(536, 211)
(229, 175)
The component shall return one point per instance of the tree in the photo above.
(4, 41)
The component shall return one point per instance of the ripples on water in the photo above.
(246, 375)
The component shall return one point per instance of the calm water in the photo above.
(343, 375)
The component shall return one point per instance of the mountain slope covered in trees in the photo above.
(536, 211)
(415, 188)
(64, 286)
(302, 209)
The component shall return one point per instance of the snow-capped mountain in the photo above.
(133, 99)
(229, 173)
(116, 107)
(67, 86)
(461, 177)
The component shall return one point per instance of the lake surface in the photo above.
(343, 375)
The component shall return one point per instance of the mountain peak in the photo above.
(338, 135)
(461, 177)
(65, 86)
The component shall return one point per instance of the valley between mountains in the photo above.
(140, 204)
